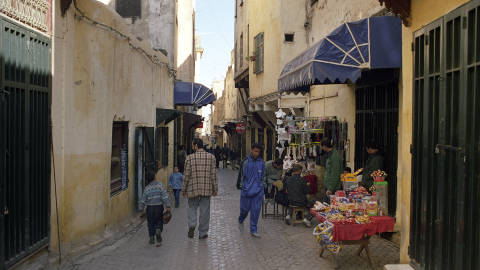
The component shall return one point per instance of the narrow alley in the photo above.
(227, 247)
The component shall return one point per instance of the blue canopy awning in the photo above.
(340, 57)
(192, 94)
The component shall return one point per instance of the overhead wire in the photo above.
(153, 58)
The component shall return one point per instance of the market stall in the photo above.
(353, 216)
(299, 137)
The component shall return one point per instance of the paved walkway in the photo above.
(228, 247)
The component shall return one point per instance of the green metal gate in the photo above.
(376, 119)
(24, 142)
(445, 217)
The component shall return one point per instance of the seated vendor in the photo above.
(273, 172)
(297, 189)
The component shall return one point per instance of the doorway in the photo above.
(377, 96)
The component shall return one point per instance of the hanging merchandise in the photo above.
(301, 136)
(280, 149)
(288, 163)
(282, 134)
(289, 152)
(290, 118)
(280, 114)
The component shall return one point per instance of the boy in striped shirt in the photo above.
(155, 197)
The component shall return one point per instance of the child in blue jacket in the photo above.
(175, 183)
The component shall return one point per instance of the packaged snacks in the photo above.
(362, 219)
(372, 209)
(318, 206)
(323, 233)
(335, 217)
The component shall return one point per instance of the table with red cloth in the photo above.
(358, 234)
(312, 180)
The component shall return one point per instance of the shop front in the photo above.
(350, 79)
(194, 96)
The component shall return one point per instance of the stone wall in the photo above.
(99, 77)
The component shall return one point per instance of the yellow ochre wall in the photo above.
(274, 18)
(264, 16)
(423, 12)
(97, 79)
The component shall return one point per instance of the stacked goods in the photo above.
(350, 180)
(379, 175)
(323, 233)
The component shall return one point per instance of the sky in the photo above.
(214, 23)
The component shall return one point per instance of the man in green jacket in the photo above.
(374, 163)
(333, 168)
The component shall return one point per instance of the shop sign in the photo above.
(241, 127)
(32, 12)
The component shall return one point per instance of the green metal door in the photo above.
(376, 118)
(445, 216)
(25, 136)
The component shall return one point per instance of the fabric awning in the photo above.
(192, 94)
(340, 57)
(166, 115)
(190, 120)
(229, 127)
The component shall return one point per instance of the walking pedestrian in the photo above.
(233, 158)
(218, 156)
(154, 198)
(252, 181)
(199, 185)
(225, 152)
(181, 156)
(175, 183)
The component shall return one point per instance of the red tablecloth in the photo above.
(342, 232)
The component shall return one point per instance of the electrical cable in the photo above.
(56, 198)
(153, 58)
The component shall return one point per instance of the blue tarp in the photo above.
(192, 94)
(340, 57)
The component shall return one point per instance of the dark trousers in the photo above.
(307, 206)
(176, 193)
(271, 194)
(154, 218)
(224, 163)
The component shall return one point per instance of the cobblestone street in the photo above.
(227, 247)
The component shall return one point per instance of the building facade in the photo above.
(440, 230)
(91, 146)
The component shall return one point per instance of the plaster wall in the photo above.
(336, 100)
(241, 29)
(274, 20)
(185, 40)
(98, 78)
(156, 24)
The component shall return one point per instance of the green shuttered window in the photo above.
(259, 53)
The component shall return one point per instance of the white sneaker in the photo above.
(307, 222)
(256, 235)
(287, 219)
